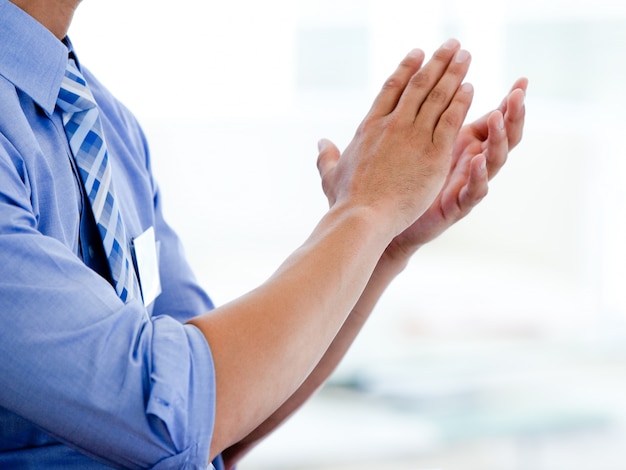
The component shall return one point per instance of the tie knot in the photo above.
(74, 95)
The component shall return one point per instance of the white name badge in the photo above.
(145, 252)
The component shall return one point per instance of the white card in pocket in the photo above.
(145, 251)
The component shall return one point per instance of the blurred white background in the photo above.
(502, 345)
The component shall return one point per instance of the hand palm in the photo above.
(480, 151)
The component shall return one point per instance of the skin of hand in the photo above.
(480, 151)
(394, 121)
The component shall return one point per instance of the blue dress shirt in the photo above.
(86, 381)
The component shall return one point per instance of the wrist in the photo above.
(366, 221)
(398, 254)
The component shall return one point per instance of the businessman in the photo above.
(112, 355)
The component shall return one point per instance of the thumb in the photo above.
(328, 156)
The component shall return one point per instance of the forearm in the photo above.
(386, 270)
(268, 342)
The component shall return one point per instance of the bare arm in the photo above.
(268, 342)
(382, 276)
(485, 140)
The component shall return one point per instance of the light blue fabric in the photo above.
(86, 381)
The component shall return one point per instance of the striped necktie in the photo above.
(83, 128)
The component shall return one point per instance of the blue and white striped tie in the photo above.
(84, 132)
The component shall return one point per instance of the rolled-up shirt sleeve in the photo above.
(96, 373)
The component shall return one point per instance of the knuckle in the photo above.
(443, 55)
(367, 125)
(420, 79)
(391, 124)
(437, 96)
(392, 83)
(371, 126)
(451, 119)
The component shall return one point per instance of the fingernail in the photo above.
(467, 87)
(461, 56)
(450, 44)
(320, 145)
(416, 53)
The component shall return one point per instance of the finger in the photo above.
(520, 84)
(327, 160)
(446, 89)
(450, 121)
(391, 92)
(328, 156)
(497, 144)
(514, 117)
(480, 124)
(423, 82)
(477, 185)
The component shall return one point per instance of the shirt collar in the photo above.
(31, 57)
